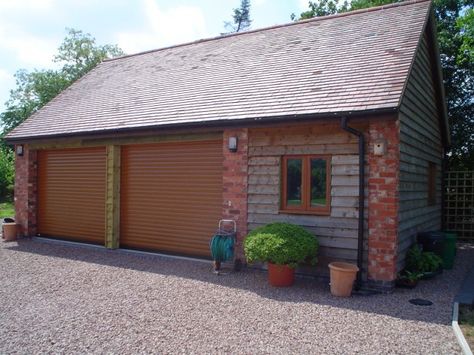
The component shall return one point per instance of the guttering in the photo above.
(209, 124)
(360, 231)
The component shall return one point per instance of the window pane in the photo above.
(318, 182)
(293, 178)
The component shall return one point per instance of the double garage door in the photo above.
(170, 195)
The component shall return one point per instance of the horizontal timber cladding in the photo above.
(71, 194)
(337, 233)
(171, 196)
(420, 145)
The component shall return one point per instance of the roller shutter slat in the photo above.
(71, 194)
(171, 196)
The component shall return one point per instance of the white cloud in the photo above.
(25, 47)
(36, 5)
(259, 2)
(28, 49)
(163, 27)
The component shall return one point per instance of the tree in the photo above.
(240, 19)
(78, 54)
(455, 32)
(322, 8)
(7, 173)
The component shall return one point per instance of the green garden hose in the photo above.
(222, 247)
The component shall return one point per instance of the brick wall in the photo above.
(26, 192)
(383, 203)
(235, 180)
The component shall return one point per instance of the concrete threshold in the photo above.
(120, 250)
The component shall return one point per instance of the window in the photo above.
(431, 184)
(306, 181)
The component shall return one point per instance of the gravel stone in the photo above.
(62, 298)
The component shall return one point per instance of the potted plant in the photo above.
(283, 246)
(426, 264)
(430, 265)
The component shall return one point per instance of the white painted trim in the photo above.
(458, 332)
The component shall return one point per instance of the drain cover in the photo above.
(420, 302)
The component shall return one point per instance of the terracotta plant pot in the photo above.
(280, 275)
(343, 276)
(9, 231)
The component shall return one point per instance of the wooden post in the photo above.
(112, 204)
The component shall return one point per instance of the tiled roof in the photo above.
(345, 63)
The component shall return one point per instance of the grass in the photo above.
(466, 322)
(7, 209)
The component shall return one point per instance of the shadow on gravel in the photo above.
(440, 290)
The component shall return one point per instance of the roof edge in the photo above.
(429, 28)
(289, 24)
(215, 123)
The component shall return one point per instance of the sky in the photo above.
(32, 30)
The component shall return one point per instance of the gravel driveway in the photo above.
(68, 299)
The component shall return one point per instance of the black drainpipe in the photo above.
(360, 245)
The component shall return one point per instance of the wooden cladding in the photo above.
(431, 183)
(171, 196)
(71, 194)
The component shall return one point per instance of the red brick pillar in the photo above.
(384, 170)
(26, 192)
(235, 179)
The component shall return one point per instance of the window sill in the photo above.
(305, 212)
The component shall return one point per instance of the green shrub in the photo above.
(7, 173)
(281, 243)
(422, 261)
(430, 262)
(413, 258)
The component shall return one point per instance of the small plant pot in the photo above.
(342, 276)
(9, 231)
(280, 275)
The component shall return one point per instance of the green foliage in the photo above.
(78, 54)
(240, 18)
(422, 262)
(7, 173)
(455, 26)
(430, 262)
(411, 276)
(281, 243)
(455, 32)
(363, 4)
(413, 258)
(322, 8)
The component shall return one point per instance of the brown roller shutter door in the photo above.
(171, 196)
(71, 194)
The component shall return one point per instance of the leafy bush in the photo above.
(282, 244)
(420, 261)
(430, 262)
(7, 173)
(410, 275)
(413, 258)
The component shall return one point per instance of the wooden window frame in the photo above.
(305, 207)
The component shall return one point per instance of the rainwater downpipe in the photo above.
(360, 236)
